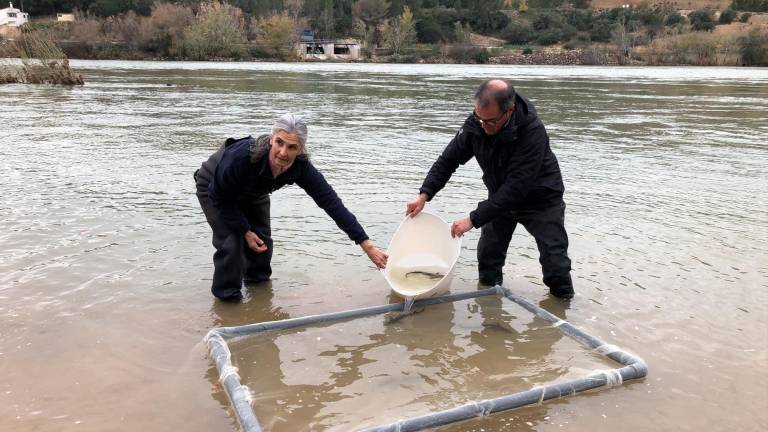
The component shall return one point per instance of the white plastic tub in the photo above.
(422, 255)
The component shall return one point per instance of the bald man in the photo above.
(524, 183)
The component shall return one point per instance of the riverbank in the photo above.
(737, 43)
(703, 50)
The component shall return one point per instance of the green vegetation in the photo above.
(277, 33)
(217, 31)
(702, 20)
(750, 5)
(405, 30)
(727, 16)
(399, 31)
(754, 49)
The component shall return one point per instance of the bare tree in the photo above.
(620, 37)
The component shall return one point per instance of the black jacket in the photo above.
(519, 169)
(238, 174)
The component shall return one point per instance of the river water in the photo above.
(105, 257)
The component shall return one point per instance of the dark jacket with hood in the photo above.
(238, 175)
(519, 169)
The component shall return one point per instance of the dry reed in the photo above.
(42, 62)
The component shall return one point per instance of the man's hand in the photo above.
(376, 255)
(255, 243)
(416, 206)
(459, 227)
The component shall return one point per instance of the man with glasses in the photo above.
(524, 183)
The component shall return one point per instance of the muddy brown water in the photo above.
(105, 262)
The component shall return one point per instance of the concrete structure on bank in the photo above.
(12, 17)
(65, 17)
(326, 49)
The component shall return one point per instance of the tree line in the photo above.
(195, 29)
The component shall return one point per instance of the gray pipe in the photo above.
(240, 396)
(634, 368)
(232, 332)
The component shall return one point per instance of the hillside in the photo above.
(683, 32)
(680, 5)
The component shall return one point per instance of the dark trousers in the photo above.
(233, 261)
(547, 226)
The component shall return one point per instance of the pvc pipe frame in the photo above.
(634, 367)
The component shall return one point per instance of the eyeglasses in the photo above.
(489, 122)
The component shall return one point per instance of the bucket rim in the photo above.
(384, 271)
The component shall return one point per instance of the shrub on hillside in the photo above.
(260, 52)
(701, 20)
(518, 32)
(277, 32)
(754, 48)
(544, 4)
(649, 16)
(750, 5)
(581, 19)
(549, 36)
(673, 18)
(551, 27)
(498, 20)
(543, 20)
(482, 57)
(8, 74)
(485, 20)
(162, 33)
(581, 40)
(428, 30)
(114, 50)
(699, 49)
(218, 31)
(580, 4)
(125, 28)
(601, 29)
(87, 30)
(78, 50)
(446, 19)
(727, 16)
(463, 53)
(745, 17)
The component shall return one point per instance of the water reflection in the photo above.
(257, 306)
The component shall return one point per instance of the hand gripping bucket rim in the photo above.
(435, 235)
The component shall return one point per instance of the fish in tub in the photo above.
(422, 255)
